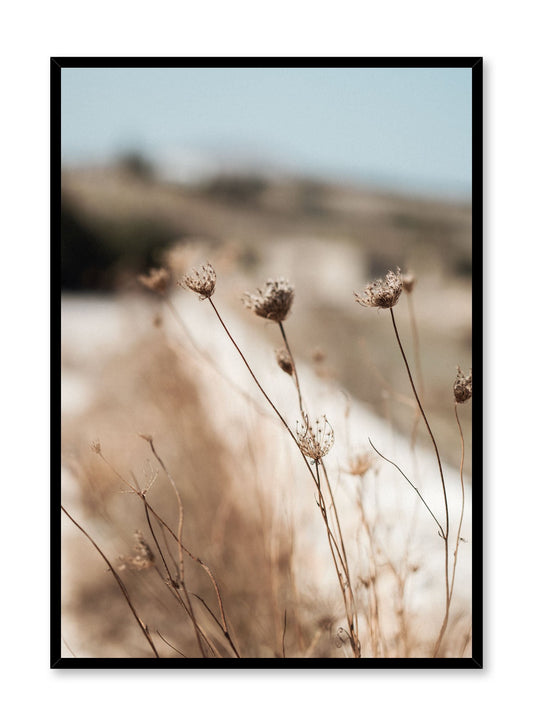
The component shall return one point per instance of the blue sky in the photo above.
(407, 129)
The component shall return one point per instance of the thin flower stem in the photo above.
(202, 564)
(147, 514)
(354, 641)
(343, 557)
(337, 522)
(447, 523)
(416, 343)
(410, 484)
(331, 539)
(220, 625)
(176, 593)
(208, 573)
(188, 608)
(447, 517)
(462, 499)
(296, 381)
(169, 551)
(375, 626)
(140, 623)
(205, 356)
(174, 536)
(337, 558)
(350, 611)
(293, 437)
(170, 645)
(418, 364)
(180, 507)
(346, 566)
(171, 581)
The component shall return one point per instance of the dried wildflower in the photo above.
(96, 446)
(284, 361)
(143, 557)
(382, 293)
(202, 281)
(273, 302)
(360, 464)
(462, 387)
(156, 280)
(409, 281)
(315, 441)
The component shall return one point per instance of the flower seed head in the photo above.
(201, 281)
(382, 293)
(143, 557)
(284, 361)
(156, 280)
(96, 446)
(409, 281)
(462, 387)
(315, 441)
(273, 302)
(360, 464)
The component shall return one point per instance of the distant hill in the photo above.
(122, 217)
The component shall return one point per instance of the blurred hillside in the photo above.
(122, 217)
(329, 240)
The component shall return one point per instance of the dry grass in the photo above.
(250, 545)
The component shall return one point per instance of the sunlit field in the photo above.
(266, 420)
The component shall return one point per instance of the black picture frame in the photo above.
(476, 66)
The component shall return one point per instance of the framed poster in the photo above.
(264, 272)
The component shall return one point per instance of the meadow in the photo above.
(266, 440)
